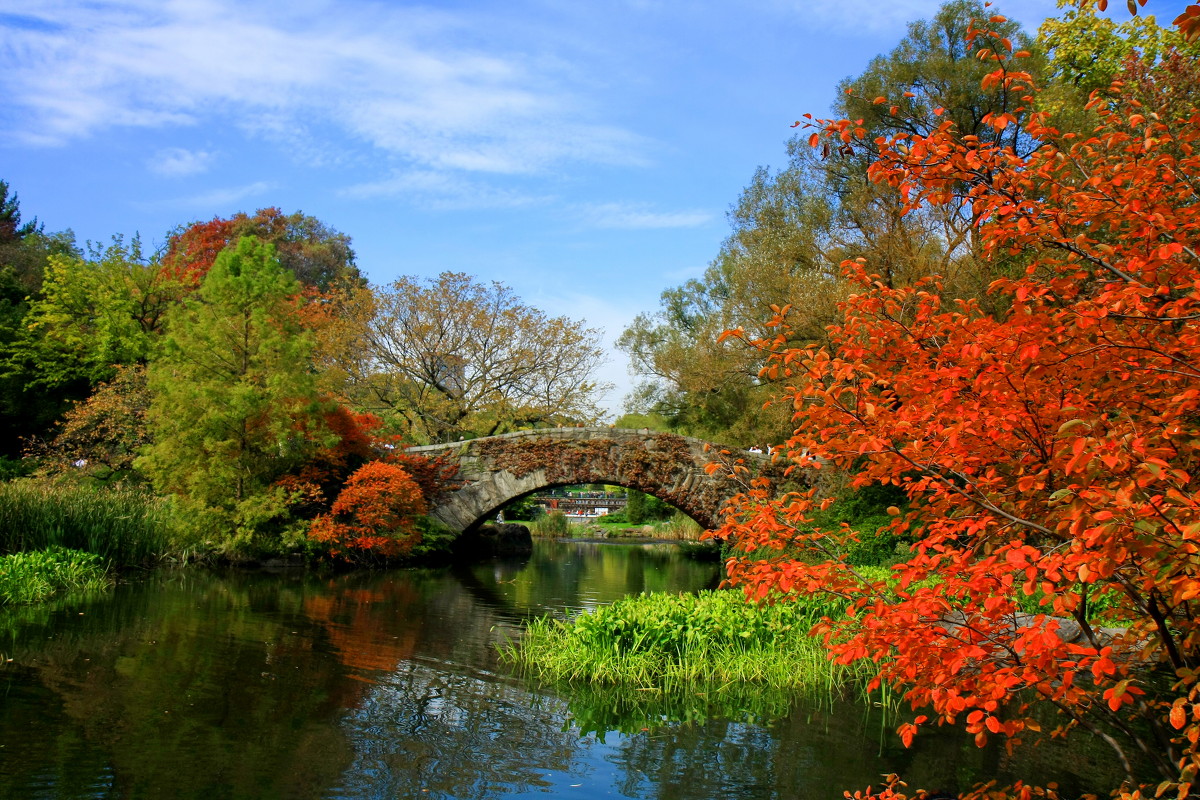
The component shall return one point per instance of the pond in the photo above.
(199, 684)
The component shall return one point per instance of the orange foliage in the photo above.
(191, 252)
(314, 253)
(320, 478)
(375, 514)
(1052, 453)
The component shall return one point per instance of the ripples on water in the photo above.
(386, 685)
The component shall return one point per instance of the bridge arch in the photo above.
(496, 470)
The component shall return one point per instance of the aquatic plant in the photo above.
(659, 640)
(33, 576)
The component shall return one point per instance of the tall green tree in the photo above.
(791, 228)
(26, 409)
(233, 399)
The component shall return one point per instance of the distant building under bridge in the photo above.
(582, 506)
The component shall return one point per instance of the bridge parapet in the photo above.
(498, 469)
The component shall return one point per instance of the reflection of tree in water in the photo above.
(181, 689)
(822, 747)
(709, 761)
(238, 686)
(427, 732)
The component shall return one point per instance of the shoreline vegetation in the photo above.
(707, 641)
(35, 576)
(122, 527)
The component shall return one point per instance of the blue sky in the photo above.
(584, 153)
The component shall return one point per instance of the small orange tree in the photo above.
(1051, 455)
(374, 515)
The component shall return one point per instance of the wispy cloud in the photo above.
(177, 162)
(442, 191)
(431, 88)
(892, 17)
(632, 216)
(222, 198)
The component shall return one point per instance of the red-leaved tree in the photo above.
(1051, 455)
(319, 256)
(374, 515)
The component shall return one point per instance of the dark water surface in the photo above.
(387, 685)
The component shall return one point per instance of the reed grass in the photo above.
(681, 527)
(553, 524)
(123, 527)
(31, 577)
(663, 641)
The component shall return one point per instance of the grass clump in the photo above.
(123, 527)
(662, 640)
(552, 524)
(31, 577)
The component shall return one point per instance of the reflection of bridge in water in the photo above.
(582, 505)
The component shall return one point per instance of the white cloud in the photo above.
(629, 216)
(431, 88)
(178, 162)
(442, 191)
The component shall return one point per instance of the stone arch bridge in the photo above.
(496, 470)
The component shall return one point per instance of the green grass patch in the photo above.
(31, 577)
(123, 527)
(658, 641)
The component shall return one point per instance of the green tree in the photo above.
(233, 402)
(1087, 51)
(94, 313)
(635, 509)
(776, 249)
(791, 228)
(26, 410)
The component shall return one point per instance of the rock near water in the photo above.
(487, 541)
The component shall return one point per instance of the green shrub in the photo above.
(11, 468)
(436, 539)
(33, 576)
(877, 545)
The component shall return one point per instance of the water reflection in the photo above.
(570, 576)
(428, 732)
(387, 685)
